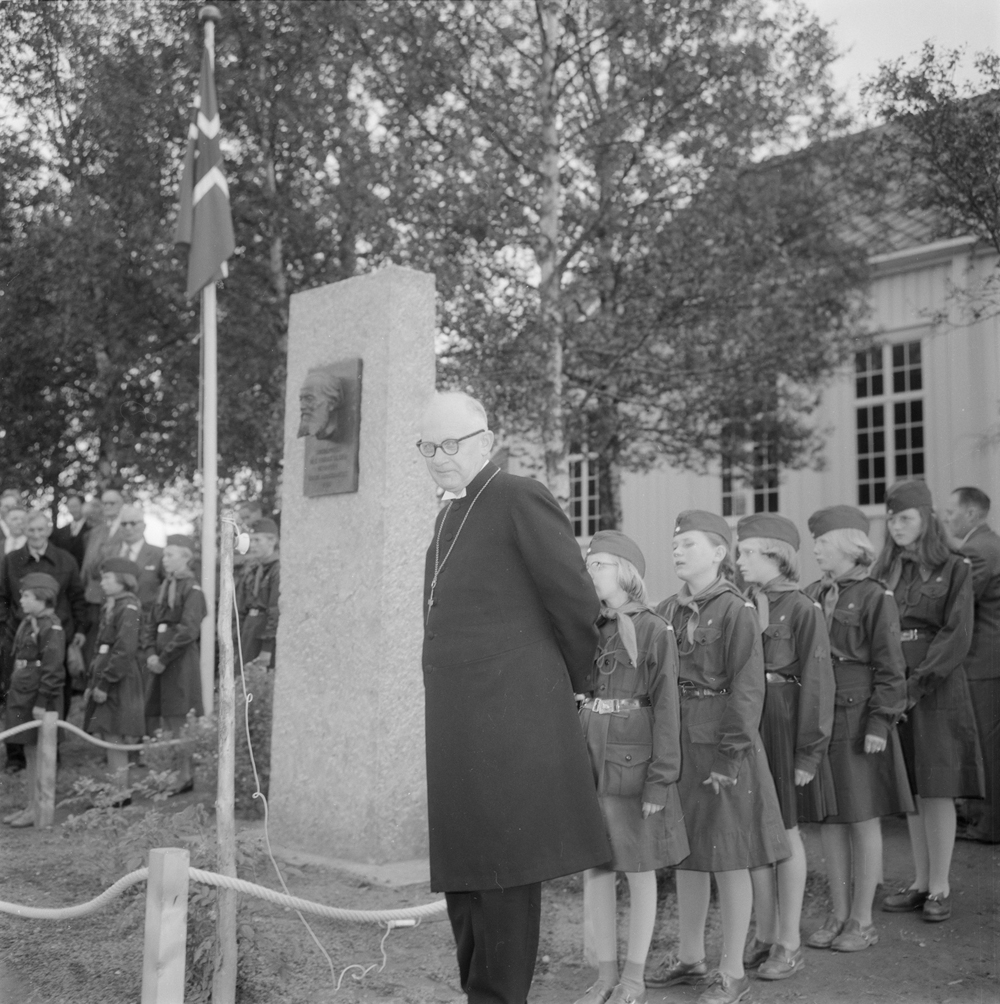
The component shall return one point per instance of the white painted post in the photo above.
(166, 926)
(45, 771)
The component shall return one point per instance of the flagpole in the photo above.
(210, 485)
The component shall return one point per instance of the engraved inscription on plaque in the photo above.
(330, 423)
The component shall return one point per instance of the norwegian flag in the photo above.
(205, 223)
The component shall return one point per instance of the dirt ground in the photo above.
(99, 958)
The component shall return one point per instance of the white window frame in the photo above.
(584, 495)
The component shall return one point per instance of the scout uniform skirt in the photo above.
(739, 828)
(865, 785)
(939, 736)
(778, 729)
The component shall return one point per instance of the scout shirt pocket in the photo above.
(707, 655)
(847, 634)
(625, 767)
(26, 677)
(779, 647)
(850, 717)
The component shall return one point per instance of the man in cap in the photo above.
(509, 614)
(965, 516)
(257, 595)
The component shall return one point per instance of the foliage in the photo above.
(614, 267)
(257, 717)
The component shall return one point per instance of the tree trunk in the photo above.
(547, 254)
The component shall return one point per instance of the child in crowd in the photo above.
(730, 807)
(795, 729)
(933, 591)
(36, 685)
(632, 727)
(114, 695)
(170, 648)
(257, 590)
(866, 762)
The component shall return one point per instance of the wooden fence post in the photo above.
(45, 772)
(166, 926)
(589, 939)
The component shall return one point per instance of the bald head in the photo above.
(459, 417)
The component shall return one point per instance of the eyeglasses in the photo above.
(130, 522)
(449, 446)
(600, 564)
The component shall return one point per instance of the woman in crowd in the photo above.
(866, 762)
(36, 684)
(933, 590)
(632, 727)
(795, 728)
(730, 806)
(114, 695)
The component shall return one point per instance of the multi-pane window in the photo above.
(584, 497)
(888, 451)
(762, 482)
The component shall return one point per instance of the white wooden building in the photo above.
(923, 402)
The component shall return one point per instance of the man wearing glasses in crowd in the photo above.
(509, 614)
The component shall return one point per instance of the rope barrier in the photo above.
(69, 727)
(421, 912)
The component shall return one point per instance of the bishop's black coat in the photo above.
(509, 638)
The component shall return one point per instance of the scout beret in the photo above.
(908, 495)
(39, 580)
(265, 525)
(707, 522)
(180, 540)
(121, 565)
(615, 542)
(837, 517)
(763, 524)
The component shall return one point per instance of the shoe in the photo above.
(14, 767)
(26, 818)
(622, 996)
(755, 953)
(781, 963)
(937, 908)
(824, 936)
(183, 789)
(855, 938)
(723, 989)
(122, 803)
(597, 994)
(904, 901)
(13, 815)
(666, 975)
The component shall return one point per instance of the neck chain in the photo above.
(439, 562)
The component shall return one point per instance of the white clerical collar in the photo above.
(447, 496)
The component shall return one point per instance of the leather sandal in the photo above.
(904, 900)
(755, 953)
(596, 994)
(937, 908)
(723, 989)
(855, 938)
(26, 818)
(781, 963)
(667, 975)
(824, 936)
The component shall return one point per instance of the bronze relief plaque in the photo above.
(330, 423)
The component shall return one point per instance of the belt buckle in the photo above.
(604, 706)
(20, 663)
(909, 635)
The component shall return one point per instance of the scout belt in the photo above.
(781, 678)
(25, 663)
(610, 706)
(915, 634)
(689, 689)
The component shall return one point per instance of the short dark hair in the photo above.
(974, 497)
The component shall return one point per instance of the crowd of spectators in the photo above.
(110, 530)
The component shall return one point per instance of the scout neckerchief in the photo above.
(257, 568)
(168, 587)
(626, 628)
(896, 568)
(685, 599)
(829, 589)
(758, 595)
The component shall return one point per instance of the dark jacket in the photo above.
(509, 639)
(982, 548)
(116, 671)
(864, 632)
(63, 537)
(257, 590)
(71, 608)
